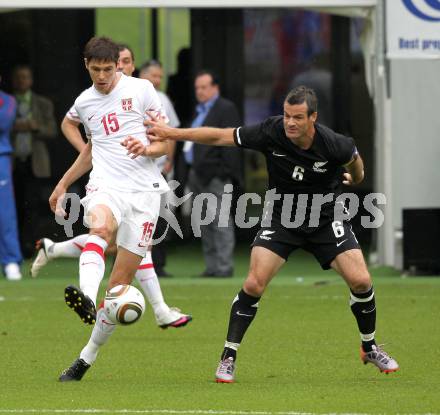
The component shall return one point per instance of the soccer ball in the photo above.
(124, 304)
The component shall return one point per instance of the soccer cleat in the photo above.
(172, 318)
(225, 371)
(380, 359)
(41, 256)
(81, 304)
(75, 372)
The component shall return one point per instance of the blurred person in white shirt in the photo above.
(153, 71)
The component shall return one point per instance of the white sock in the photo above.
(147, 278)
(92, 266)
(68, 249)
(100, 334)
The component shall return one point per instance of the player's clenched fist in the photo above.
(56, 199)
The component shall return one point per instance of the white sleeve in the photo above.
(72, 114)
(169, 109)
(152, 102)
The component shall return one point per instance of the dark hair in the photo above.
(20, 67)
(123, 46)
(148, 64)
(184, 58)
(302, 94)
(214, 77)
(101, 49)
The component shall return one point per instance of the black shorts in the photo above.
(328, 241)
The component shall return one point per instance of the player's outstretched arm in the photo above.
(157, 149)
(71, 131)
(355, 171)
(80, 166)
(158, 131)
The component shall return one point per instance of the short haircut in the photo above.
(101, 49)
(20, 67)
(212, 74)
(303, 94)
(123, 46)
(149, 64)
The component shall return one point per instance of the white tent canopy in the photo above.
(183, 3)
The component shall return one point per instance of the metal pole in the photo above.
(383, 141)
(154, 34)
(142, 35)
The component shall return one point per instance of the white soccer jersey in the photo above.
(72, 114)
(108, 119)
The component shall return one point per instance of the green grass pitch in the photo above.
(299, 356)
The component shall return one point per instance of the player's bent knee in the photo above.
(361, 284)
(103, 232)
(255, 285)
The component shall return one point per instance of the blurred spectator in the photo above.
(34, 126)
(153, 71)
(126, 60)
(211, 169)
(10, 254)
(179, 87)
(318, 77)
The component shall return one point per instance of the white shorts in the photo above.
(135, 213)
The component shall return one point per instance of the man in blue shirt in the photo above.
(10, 253)
(214, 170)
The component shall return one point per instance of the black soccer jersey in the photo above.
(294, 171)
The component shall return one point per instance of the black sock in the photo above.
(363, 306)
(228, 352)
(243, 310)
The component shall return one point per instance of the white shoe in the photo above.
(225, 371)
(13, 272)
(41, 257)
(379, 358)
(172, 318)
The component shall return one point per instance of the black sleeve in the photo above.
(344, 148)
(253, 137)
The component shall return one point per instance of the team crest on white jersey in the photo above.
(127, 104)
